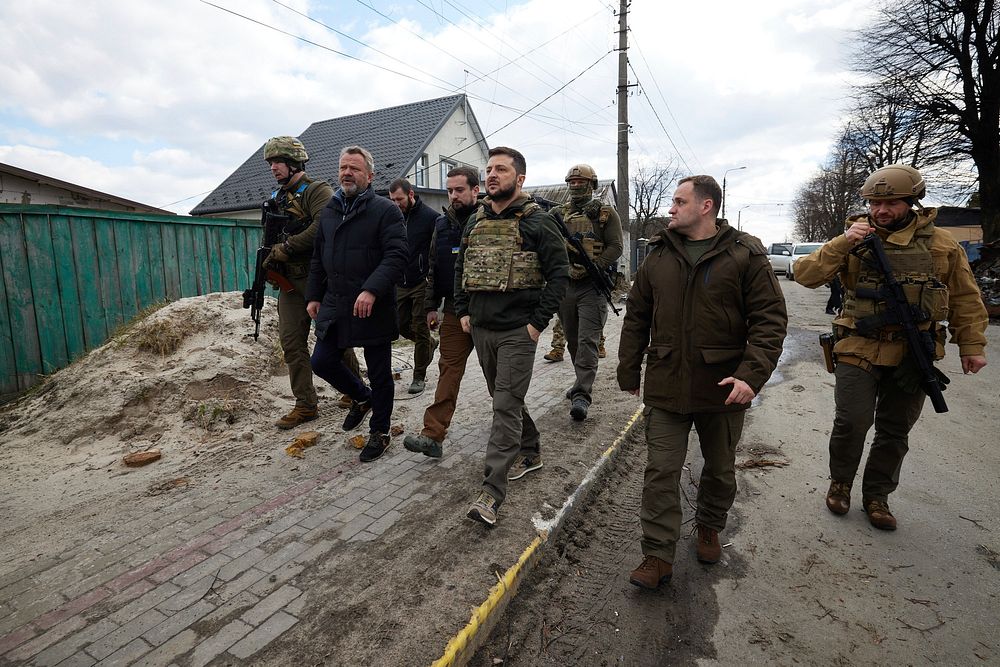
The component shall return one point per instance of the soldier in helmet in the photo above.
(301, 199)
(872, 370)
(583, 310)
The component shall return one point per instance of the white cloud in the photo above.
(189, 91)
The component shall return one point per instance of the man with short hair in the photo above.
(456, 344)
(876, 380)
(359, 256)
(419, 221)
(707, 314)
(301, 199)
(510, 276)
(584, 310)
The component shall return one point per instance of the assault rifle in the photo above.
(900, 312)
(273, 223)
(600, 279)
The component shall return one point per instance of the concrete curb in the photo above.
(464, 645)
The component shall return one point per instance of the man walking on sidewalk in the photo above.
(359, 256)
(510, 276)
(707, 313)
(584, 311)
(456, 344)
(419, 221)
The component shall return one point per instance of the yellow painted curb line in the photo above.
(456, 652)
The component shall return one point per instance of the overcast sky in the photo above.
(159, 101)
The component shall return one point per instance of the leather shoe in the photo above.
(651, 573)
(879, 515)
(838, 498)
(709, 549)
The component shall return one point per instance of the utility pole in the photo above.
(623, 127)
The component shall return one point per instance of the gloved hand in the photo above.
(577, 272)
(279, 253)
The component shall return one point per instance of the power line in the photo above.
(664, 99)
(659, 120)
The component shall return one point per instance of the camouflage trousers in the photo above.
(293, 330)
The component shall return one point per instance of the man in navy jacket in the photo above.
(359, 256)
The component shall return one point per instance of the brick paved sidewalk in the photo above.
(269, 572)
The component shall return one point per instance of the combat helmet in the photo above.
(584, 171)
(288, 148)
(895, 181)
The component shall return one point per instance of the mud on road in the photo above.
(796, 584)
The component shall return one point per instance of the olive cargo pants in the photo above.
(507, 359)
(667, 442)
(293, 331)
(412, 320)
(864, 398)
(583, 312)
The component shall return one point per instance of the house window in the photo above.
(420, 177)
(446, 166)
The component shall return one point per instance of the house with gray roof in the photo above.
(420, 141)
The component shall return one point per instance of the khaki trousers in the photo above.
(456, 346)
(667, 442)
(507, 359)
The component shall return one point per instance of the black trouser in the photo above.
(328, 363)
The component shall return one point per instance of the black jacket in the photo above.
(360, 245)
(419, 223)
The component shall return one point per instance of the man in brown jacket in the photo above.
(707, 313)
(872, 370)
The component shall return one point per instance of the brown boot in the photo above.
(651, 573)
(879, 514)
(838, 498)
(344, 402)
(297, 416)
(601, 352)
(554, 355)
(709, 549)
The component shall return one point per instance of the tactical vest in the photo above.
(447, 240)
(291, 202)
(494, 258)
(589, 223)
(913, 266)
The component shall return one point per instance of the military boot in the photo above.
(298, 415)
(709, 549)
(838, 498)
(879, 514)
(555, 354)
(651, 573)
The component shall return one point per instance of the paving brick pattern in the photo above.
(216, 577)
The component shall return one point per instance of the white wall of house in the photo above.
(454, 145)
(16, 189)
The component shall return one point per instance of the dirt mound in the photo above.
(187, 370)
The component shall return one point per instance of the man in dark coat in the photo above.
(707, 314)
(419, 219)
(359, 256)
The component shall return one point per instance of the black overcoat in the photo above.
(360, 246)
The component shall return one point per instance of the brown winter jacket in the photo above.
(696, 325)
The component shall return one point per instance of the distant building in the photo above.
(963, 223)
(420, 141)
(20, 186)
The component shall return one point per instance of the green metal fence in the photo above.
(70, 276)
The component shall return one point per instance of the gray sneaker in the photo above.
(523, 465)
(485, 509)
(421, 444)
(416, 387)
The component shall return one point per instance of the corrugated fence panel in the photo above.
(69, 277)
(69, 292)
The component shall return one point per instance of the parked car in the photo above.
(780, 256)
(800, 250)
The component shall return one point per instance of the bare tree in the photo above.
(945, 57)
(652, 187)
(823, 204)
